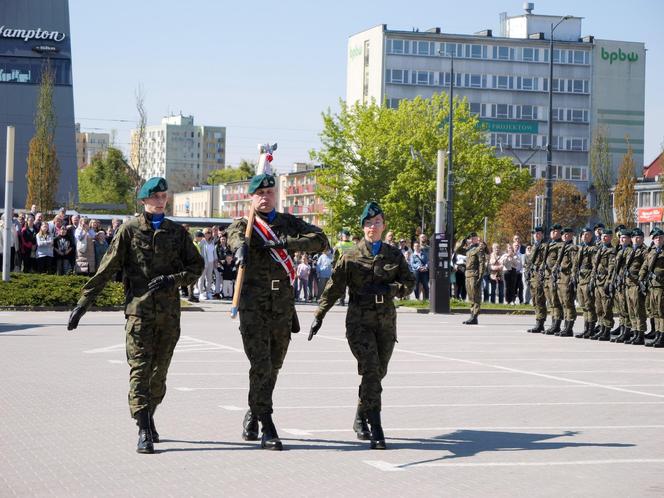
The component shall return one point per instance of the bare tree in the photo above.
(602, 181)
(624, 195)
(138, 141)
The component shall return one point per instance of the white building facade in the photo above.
(597, 84)
(88, 145)
(182, 152)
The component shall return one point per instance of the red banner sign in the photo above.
(650, 214)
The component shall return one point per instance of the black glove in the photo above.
(608, 289)
(315, 327)
(242, 255)
(75, 317)
(643, 287)
(275, 244)
(377, 289)
(161, 282)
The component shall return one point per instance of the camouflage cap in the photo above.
(261, 181)
(370, 210)
(153, 185)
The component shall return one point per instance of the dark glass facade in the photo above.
(34, 33)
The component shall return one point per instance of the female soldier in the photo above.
(374, 273)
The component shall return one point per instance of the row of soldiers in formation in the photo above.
(623, 278)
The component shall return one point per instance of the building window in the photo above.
(397, 46)
(501, 139)
(449, 49)
(393, 103)
(475, 108)
(523, 140)
(644, 199)
(657, 199)
(503, 82)
(503, 53)
(501, 111)
(396, 76)
(577, 144)
(527, 112)
(422, 78)
(424, 47)
(476, 51)
(530, 54)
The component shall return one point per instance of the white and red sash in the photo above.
(281, 256)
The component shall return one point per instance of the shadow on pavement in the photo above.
(467, 443)
(308, 444)
(12, 327)
(211, 446)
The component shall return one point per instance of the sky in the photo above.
(267, 70)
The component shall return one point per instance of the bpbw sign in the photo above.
(618, 56)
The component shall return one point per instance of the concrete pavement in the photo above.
(468, 411)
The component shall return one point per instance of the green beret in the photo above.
(556, 226)
(155, 184)
(618, 228)
(538, 228)
(587, 229)
(568, 230)
(656, 232)
(625, 232)
(599, 225)
(261, 181)
(637, 232)
(370, 210)
(472, 234)
(345, 231)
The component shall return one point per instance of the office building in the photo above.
(598, 85)
(88, 145)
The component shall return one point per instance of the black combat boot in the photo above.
(638, 338)
(538, 328)
(626, 335)
(659, 341)
(568, 331)
(472, 320)
(653, 331)
(377, 436)
(270, 439)
(614, 335)
(590, 331)
(555, 327)
(651, 340)
(250, 427)
(598, 334)
(606, 335)
(360, 425)
(145, 444)
(153, 428)
(582, 335)
(563, 329)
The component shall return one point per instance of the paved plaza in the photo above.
(486, 411)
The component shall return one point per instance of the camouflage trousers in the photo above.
(620, 306)
(566, 298)
(539, 298)
(657, 303)
(587, 302)
(603, 306)
(554, 305)
(371, 333)
(636, 306)
(265, 337)
(474, 292)
(150, 343)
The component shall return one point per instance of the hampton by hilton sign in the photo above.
(31, 34)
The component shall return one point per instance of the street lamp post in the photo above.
(549, 145)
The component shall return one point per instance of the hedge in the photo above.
(33, 289)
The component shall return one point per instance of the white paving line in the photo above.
(392, 467)
(186, 344)
(354, 387)
(526, 372)
(311, 432)
(462, 405)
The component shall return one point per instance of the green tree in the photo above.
(366, 155)
(624, 197)
(602, 175)
(43, 174)
(245, 169)
(107, 180)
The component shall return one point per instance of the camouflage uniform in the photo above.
(564, 285)
(371, 320)
(553, 302)
(652, 272)
(635, 299)
(602, 271)
(267, 302)
(617, 280)
(153, 318)
(475, 268)
(535, 272)
(583, 270)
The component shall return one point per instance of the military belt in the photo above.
(368, 299)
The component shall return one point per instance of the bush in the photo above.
(31, 289)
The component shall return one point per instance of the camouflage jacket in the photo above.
(475, 262)
(357, 268)
(603, 264)
(142, 254)
(266, 284)
(551, 255)
(567, 261)
(652, 269)
(583, 267)
(635, 258)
